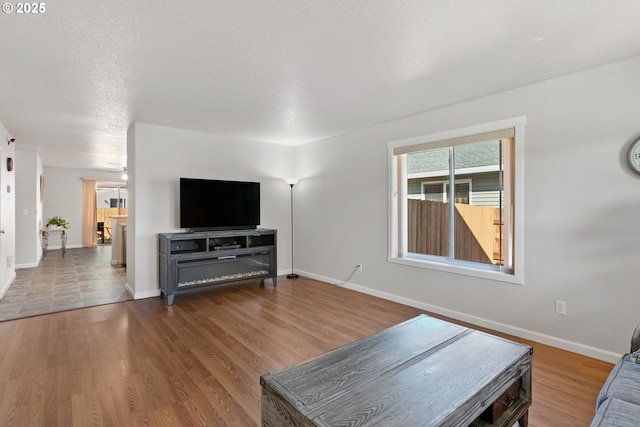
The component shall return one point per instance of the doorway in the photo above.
(111, 200)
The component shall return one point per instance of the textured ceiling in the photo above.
(72, 79)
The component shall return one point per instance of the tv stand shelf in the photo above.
(207, 258)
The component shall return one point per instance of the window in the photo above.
(114, 203)
(439, 191)
(477, 168)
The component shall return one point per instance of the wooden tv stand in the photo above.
(206, 258)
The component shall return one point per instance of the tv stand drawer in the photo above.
(222, 269)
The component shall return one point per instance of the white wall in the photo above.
(158, 156)
(63, 197)
(105, 195)
(581, 209)
(28, 208)
(7, 212)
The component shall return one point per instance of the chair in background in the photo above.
(103, 232)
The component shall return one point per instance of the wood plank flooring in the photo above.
(198, 362)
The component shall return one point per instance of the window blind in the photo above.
(469, 139)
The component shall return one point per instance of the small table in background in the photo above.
(117, 238)
(44, 239)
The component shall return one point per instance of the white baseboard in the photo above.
(128, 288)
(146, 294)
(7, 285)
(283, 272)
(29, 265)
(563, 344)
(56, 247)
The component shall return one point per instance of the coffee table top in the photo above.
(424, 371)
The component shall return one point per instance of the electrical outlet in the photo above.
(359, 266)
(561, 307)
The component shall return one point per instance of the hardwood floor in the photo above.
(198, 362)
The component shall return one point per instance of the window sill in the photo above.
(457, 269)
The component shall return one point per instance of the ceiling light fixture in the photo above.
(125, 176)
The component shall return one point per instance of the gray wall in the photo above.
(581, 248)
(581, 213)
(63, 197)
(7, 213)
(158, 156)
(28, 208)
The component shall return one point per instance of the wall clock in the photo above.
(9, 164)
(634, 156)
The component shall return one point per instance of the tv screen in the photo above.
(215, 205)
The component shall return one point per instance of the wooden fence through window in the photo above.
(478, 231)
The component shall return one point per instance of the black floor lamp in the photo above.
(292, 182)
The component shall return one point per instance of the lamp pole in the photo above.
(291, 182)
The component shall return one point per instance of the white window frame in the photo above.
(397, 226)
(445, 185)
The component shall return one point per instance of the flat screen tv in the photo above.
(218, 205)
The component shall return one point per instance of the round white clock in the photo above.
(634, 156)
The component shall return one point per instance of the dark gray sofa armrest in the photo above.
(635, 339)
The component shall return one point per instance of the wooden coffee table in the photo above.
(422, 372)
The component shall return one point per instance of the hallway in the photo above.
(83, 278)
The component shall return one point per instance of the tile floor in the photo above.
(83, 278)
